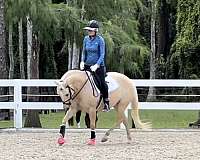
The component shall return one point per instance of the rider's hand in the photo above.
(82, 65)
(94, 67)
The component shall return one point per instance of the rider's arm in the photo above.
(102, 51)
(83, 51)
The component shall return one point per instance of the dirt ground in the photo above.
(145, 145)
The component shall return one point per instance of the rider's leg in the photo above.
(103, 88)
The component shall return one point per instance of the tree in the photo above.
(3, 55)
(21, 53)
(153, 50)
(70, 18)
(163, 34)
(9, 19)
(32, 119)
(185, 50)
(38, 20)
(57, 28)
(121, 31)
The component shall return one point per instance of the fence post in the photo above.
(17, 101)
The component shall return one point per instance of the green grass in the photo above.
(6, 124)
(169, 118)
(53, 120)
(158, 118)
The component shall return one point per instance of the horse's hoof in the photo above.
(61, 141)
(129, 141)
(191, 124)
(91, 142)
(104, 139)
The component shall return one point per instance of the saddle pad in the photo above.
(112, 84)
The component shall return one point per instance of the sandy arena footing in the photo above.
(29, 144)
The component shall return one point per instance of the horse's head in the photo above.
(65, 92)
(70, 85)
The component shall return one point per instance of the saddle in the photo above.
(96, 84)
(112, 83)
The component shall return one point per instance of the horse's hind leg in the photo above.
(78, 119)
(119, 121)
(120, 118)
(87, 120)
(105, 137)
(125, 122)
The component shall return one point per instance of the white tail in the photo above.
(137, 121)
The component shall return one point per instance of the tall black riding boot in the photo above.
(106, 107)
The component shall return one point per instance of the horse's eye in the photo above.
(67, 95)
(61, 89)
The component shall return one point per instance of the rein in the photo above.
(93, 85)
(73, 96)
(94, 88)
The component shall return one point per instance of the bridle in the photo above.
(71, 95)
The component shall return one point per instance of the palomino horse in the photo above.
(75, 90)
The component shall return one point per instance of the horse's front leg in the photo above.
(67, 116)
(92, 115)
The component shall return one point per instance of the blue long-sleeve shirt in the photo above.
(93, 50)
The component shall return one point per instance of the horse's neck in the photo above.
(69, 73)
(75, 77)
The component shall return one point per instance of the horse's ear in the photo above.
(57, 83)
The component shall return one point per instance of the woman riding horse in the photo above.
(75, 90)
(93, 55)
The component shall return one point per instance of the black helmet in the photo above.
(92, 25)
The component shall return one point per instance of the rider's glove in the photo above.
(82, 65)
(94, 67)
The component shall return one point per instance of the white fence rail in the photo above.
(18, 105)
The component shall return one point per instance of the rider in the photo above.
(92, 59)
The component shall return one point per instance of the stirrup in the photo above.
(106, 108)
